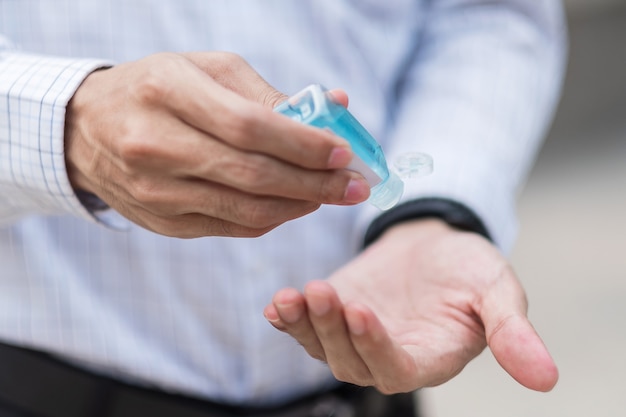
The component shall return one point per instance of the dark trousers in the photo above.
(34, 384)
(6, 411)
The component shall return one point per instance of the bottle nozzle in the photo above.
(408, 166)
(387, 194)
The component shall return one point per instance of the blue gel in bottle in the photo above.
(314, 106)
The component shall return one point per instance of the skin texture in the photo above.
(188, 146)
(413, 309)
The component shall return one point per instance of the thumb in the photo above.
(511, 337)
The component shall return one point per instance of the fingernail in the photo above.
(289, 313)
(274, 320)
(340, 157)
(357, 191)
(271, 315)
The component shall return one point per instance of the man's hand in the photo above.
(413, 309)
(188, 145)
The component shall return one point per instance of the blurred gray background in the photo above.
(571, 253)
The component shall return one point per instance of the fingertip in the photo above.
(317, 287)
(357, 191)
(546, 378)
(520, 351)
(270, 313)
(363, 323)
(286, 296)
(289, 306)
(339, 96)
(550, 381)
(320, 298)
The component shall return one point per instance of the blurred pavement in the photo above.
(571, 254)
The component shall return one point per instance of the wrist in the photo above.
(448, 212)
(77, 151)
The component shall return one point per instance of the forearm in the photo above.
(34, 92)
(478, 96)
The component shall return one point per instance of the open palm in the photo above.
(413, 309)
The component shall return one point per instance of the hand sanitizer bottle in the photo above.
(314, 106)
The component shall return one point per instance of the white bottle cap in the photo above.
(387, 194)
(413, 165)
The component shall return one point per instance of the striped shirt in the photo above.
(472, 83)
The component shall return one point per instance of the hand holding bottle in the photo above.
(187, 146)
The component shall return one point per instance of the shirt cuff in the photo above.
(37, 90)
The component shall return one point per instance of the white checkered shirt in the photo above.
(472, 83)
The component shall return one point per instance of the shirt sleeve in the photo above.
(34, 92)
(478, 95)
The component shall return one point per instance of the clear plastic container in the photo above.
(315, 106)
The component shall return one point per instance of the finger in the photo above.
(191, 225)
(326, 315)
(339, 96)
(259, 174)
(514, 342)
(169, 145)
(288, 313)
(247, 126)
(271, 315)
(202, 102)
(393, 369)
(170, 209)
(180, 199)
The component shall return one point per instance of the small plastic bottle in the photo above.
(315, 106)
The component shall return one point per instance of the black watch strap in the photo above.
(91, 202)
(452, 212)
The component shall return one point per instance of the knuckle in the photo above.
(331, 188)
(219, 227)
(267, 213)
(194, 225)
(225, 67)
(151, 88)
(140, 142)
(216, 227)
(230, 60)
(165, 226)
(260, 216)
(251, 173)
(146, 192)
(244, 127)
(154, 84)
(270, 97)
(229, 64)
(134, 148)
